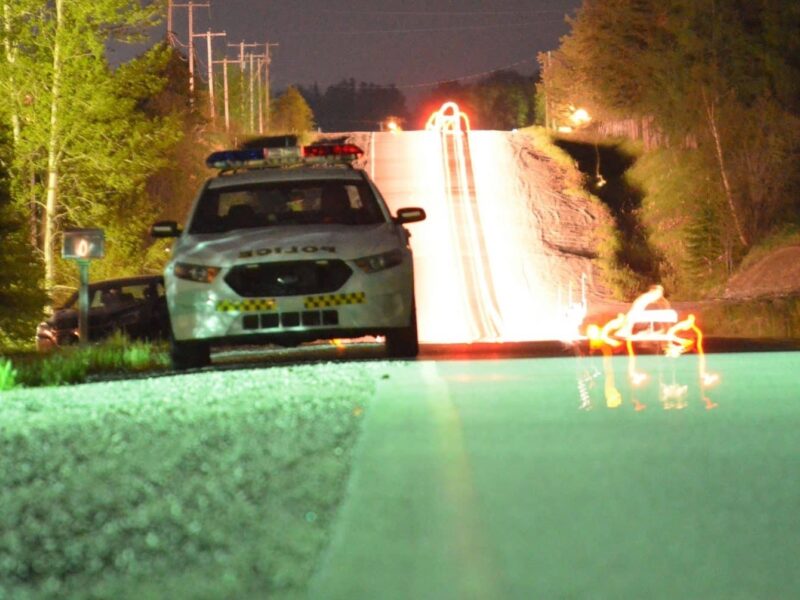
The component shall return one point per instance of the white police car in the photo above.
(288, 245)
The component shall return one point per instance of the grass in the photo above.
(213, 485)
(760, 318)
(543, 140)
(77, 364)
(672, 186)
(789, 235)
(8, 375)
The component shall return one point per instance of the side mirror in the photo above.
(165, 229)
(410, 215)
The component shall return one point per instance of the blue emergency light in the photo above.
(258, 158)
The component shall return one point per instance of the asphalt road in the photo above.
(482, 269)
(512, 479)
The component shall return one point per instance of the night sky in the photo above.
(411, 43)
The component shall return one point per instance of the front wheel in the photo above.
(189, 355)
(404, 341)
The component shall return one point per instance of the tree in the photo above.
(171, 190)
(715, 72)
(84, 148)
(291, 113)
(355, 106)
(22, 297)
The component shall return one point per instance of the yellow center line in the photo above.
(466, 529)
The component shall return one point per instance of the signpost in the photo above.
(83, 245)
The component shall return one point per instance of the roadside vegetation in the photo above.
(223, 485)
(777, 317)
(88, 143)
(710, 94)
(79, 364)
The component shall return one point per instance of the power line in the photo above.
(455, 13)
(465, 77)
(484, 26)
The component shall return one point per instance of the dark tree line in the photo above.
(503, 100)
(354, 106)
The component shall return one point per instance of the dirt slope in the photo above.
(776, 274)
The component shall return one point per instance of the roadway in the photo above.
(521, 479)
(483, 270)
(550, 477)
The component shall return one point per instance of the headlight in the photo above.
(200, 273)
(379, 262)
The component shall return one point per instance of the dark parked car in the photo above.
(135, 306)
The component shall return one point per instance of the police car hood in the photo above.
(281, 243)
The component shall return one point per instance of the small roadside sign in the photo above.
(83, 245)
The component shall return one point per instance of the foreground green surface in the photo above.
(496, 479)
(470, 479)
(212, 485)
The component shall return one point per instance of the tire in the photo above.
(189, 355)
(404, 341)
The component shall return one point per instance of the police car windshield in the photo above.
(268, 204)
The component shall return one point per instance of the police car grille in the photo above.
(291, 278)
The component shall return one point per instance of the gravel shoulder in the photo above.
(205, 485)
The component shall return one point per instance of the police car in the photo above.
(289, 245)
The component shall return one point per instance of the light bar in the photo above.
(252, 158)
(259, 158)
(339, 150)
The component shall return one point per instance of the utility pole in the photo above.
(260, 98)
(252, 121)
(241, 46)
(267, 61)
(191, 6)
(169, 22)
(224, 62)
(255, 80)
(210, 59)
(546, 77)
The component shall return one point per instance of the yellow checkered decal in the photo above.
(248, 305)
(335, 300)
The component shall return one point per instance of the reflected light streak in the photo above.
(481, 269)
(491, 321)
(454, 229)
(621, 329)
(507, 281)
(525, 284)
(448, 119)
(408, 169)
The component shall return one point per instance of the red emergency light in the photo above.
(338, 150)
(258, 158)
